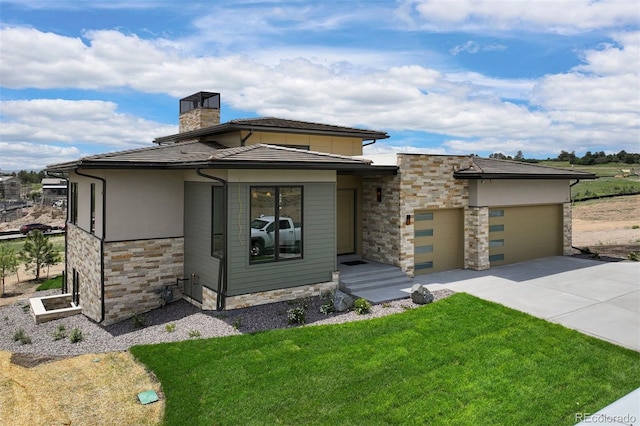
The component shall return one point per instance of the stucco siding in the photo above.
(84, 201)
(144, 204)
(514, 192)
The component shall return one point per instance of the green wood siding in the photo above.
(319, 243)
(197, 237)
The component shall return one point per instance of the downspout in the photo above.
(243, 140)
(370, 143)
(104, 233)
(66, 249)
(222, 271)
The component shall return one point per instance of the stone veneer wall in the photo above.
(209, 297)
(423, 182)
(198, 118)
(567, 250)
(476, 238)
(380, 220)
(427, 183)
(83, 255)
(134, 270)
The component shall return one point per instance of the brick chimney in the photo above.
(199, 110)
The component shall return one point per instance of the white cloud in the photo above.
(30, 156)
(474, 47)
(52, 129)
(594, 106)
(562, 17)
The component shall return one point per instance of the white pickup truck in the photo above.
(263, 237)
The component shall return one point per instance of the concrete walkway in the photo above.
(601, 299)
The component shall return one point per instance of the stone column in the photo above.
(476, 223)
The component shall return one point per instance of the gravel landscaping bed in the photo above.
(174, 322)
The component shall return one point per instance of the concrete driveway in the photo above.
(601, 299)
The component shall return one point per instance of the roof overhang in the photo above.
(519, 176)
(365, 135)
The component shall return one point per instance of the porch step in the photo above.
(375, 282)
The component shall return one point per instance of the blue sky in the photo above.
(443, 77)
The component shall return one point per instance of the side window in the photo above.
(73, 210)
(93, 209)
(217, 221)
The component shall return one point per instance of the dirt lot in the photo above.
(53, 216)
(84, 390)
(609, 227)
(91, 389)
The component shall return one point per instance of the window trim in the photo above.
(73, 210)
(276, 213)
(92, 211)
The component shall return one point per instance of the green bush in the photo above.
(138, 321)
(21, 336)
(633, 256)
(297, 315)
(76, 336)
(237, 323)
(327, 307)
(60, 333)
(170, 328)
(361, 306)
(194, 334)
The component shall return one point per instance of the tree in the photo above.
(51, 259)
(519, 156)
(37, 252)
(8, 263)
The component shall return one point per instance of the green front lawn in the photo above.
(51, 284)
(461, 360)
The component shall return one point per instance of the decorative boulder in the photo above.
(342, 301)
(420, 295)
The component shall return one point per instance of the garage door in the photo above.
(438, 240)
(524, 233)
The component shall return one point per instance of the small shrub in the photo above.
(76, 336)
(327, 307)
(635, 227)
(138, 321)
(21, 336)
(633, 256)
(194, 334)
(170, 328)
(386, 305)
(60, 333)
(361, 306)
(297, 315)
(26, 308)
(237, 323)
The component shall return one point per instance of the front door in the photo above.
(346, 221)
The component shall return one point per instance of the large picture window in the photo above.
(276, 223)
